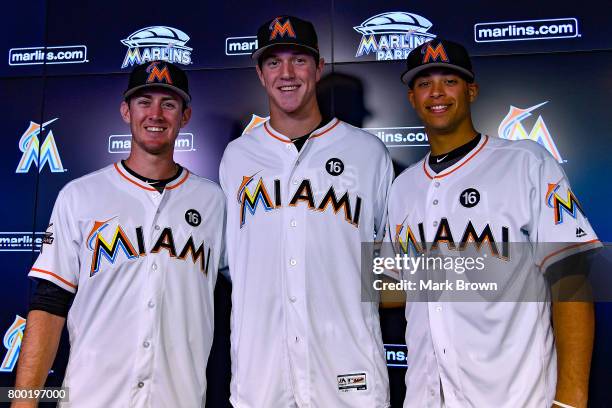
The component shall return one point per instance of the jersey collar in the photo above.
(125, 175)
(432, 174)
(317, 133)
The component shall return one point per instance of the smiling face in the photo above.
(155, 116)
(290, 75)
(442, 100)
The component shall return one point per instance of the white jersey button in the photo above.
(292, 262)
(151, 304)
(154, 267)
(140, 384)
(438, 308)
(293, 223)
(437, 184)
(435, 223)
(292, 299)
(157, 227)
(146, 344)
(435, 202)
(295, 181)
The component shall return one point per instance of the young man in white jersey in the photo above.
(511, 203)
(130, 258)
(303, 194)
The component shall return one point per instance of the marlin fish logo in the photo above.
(34, 153)
(12, 343)
(511, 128)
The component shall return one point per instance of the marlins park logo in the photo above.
(39, 154)
(391, 36)
(512, 128)
(157, 43)
(12, 343)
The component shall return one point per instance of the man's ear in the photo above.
(186, 116)
(124, 109)
(411, 97)
(260, 75)
(320, 69)
(473, 90)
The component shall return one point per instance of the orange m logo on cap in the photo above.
(281, 29)
(434, 54)
(158, 75)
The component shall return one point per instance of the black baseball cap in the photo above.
(160, 74)
(438, 53)
(286, 30)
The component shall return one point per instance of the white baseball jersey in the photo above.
(514, 200)
(300, 333)
(143, 266)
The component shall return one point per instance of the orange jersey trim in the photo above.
(55, 276)
(273, 135)
(184, 179)
(132, 181)
(565, 249)
(437, 176)
(327, 130)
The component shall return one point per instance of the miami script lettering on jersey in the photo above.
(406, 241)
(120, 243)
(269, 200)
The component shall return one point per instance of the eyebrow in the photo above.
(164, 98)
(293, 53)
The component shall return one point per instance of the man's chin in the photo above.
(157, 149)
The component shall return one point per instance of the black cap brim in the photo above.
(409, 75)
(257, 53)
(186, 97)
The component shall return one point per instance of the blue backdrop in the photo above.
(66, 67)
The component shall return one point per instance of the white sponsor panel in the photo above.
(123, 143)
(240, 45)
(402, 136)
(547, 29)
(66, 54)
(23, 241)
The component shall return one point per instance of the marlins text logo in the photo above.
(157, 43)
(12, 343)
(391, 36)
(39, 155)
(511, 128)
